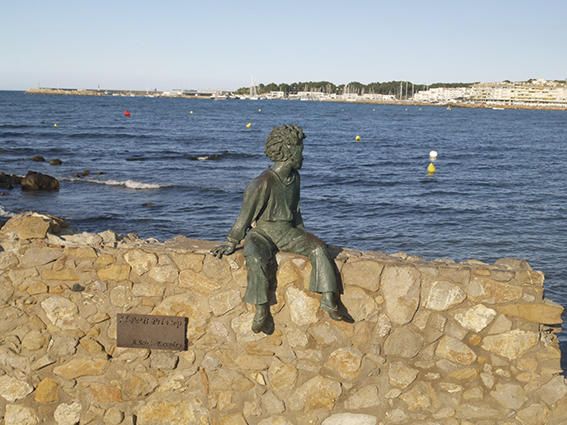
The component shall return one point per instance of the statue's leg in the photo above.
(323, 277)
(259, 252)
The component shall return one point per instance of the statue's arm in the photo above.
(252, 204)
(298, 219)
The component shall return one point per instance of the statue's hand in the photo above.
(224, 249)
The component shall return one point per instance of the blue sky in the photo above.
(224, 44)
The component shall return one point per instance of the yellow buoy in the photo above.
(248, 125)
(357, 138)
(431, 168)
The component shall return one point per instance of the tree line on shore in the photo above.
(354, 87)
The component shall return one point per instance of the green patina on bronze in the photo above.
(270, 221)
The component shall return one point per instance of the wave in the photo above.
(130, 184)
(194, 157)
(4, 213)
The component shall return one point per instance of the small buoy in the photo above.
(357, 138)
(127, 113)
(248, 125)
(259, 109)
(55, 125)
(432, 156)
(431, 168)
(190, 112)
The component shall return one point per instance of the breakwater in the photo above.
(432, 342)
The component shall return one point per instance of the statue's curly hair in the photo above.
(281, 139)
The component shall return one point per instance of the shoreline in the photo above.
(203, 96)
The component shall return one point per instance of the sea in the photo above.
(179, 167)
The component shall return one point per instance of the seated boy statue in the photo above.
(270, 221)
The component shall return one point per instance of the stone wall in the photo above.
(432, 343)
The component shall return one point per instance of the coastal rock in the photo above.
(38, 256)
(173, 412)
(476, 318)
(13, 389)
(511, 344)
(364, 398)
(9, 181)
(81, 366)
(509, 395)
(444, 295)
(318, 392)
(346, 362)
(34, 181)
(20, 415)
(27, 226)
(454, 350)
(60, 311)
(302, 308)
(365, 274)
(401, 288)
(359, 304)
(140, 261)
(548, 313)
(47, 391)
(68, 414)
(401, 375)
(403, 342)
(350, 419)
(483, 289)
(55, 161)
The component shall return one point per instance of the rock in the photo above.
(271, 404)
(13, 389)
(197, 282)
(170, 411)
(302, 308)
(234, 419)
(62, 346)
(383, 326)
(364, 273)
(121, 296)
(512, 344)
(483, 289)
(164, 273)
(350, 419)
(346, 362)
(147, 290)
(113, 416)
(224, 302)
(454, 350)
(444, 295)
(81, 366)
(62, 312)
(476, 318)
(137, 385)
(9, 181)
(419, 397)
(55, 162)
(553, 391)
(38, 158)
(188, 261)
(547, 313)
(20, 415)
(163, 360)
(281, 377)
(275, 420)
(364, 398)
(34, 181)
(47, 391)
(318, 392)
(33, 340)
(401, 375)
(401, 289)
(115, 272)
(403, 342)
(509, 395)
(31, 226)
(535, 414)
(68, 414)
(140, 261)
(358, 303)
(103, 393)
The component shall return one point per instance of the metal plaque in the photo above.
(148, 331)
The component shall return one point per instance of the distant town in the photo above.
(530, 94)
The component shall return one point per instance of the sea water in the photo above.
(179, 167)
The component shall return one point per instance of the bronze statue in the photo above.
(270, 220)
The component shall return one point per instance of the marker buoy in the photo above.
(127, 113)
(431, 169)
(190, 112)
(259, 109)
(248, 125)
(432, 156)
(55, 125)
(357, 138)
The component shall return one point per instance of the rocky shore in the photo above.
(432, 343)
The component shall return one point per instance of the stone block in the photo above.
(401, 289)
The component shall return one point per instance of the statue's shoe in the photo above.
(262, 323)
(333, 312)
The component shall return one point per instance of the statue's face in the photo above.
(296, 159)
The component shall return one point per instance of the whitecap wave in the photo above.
(130, 184)
(4, 213)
